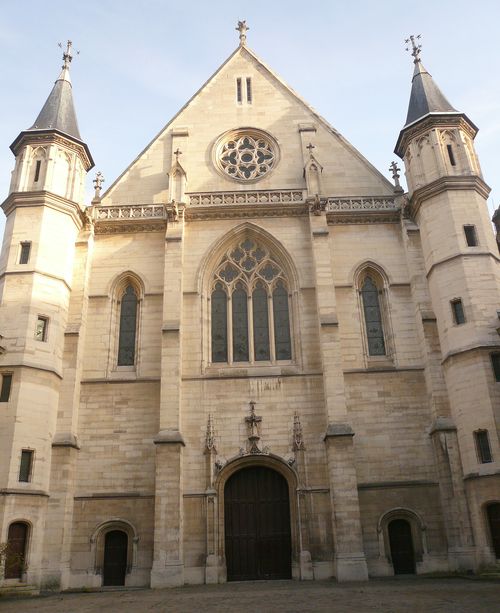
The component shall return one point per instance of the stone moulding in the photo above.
(369, 209)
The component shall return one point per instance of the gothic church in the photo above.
(253, 356)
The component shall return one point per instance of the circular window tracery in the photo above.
(246, 155)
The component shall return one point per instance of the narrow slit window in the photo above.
(458, 311)
(6, 387)
(238, 90)
(42, 324)
(495, 362)
(249, 90)
(483, 448)
(470, 236)
(26, 465)
(451, 155)
(37, 170)
(128, 328)
(24, 256)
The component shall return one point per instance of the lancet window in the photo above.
(128, 327)
(373, 317)
(250, 307)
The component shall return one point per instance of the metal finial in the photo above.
(242, 29)
(98, 181)
(416, 47)
(67, 55)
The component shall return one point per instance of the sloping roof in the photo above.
(425, 97)
(58, 112)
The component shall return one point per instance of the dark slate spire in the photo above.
(425, 97)
(58, 112)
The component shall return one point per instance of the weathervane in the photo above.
(67, 55)
(242, 29)
(416, 47)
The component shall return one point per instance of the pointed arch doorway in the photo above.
(257, 525)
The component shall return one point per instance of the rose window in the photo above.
(246, 155)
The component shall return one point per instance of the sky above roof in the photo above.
(140, 62)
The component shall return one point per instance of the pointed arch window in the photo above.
(373, 317)
(250, 307)
(128, 327)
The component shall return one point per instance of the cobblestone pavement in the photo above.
(384, 596)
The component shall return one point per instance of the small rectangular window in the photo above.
(41, 328)
(37, 171)
(470, 236)
(450, 155)
(249, 90)
(238, 89)
(483, 446)
(26, 465)
(5, 389)
(24, 257)
(458, 311)
(495, 362)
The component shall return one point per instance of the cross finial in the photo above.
(395, 176)
(242, 29)
(177, 153)
(98, 181)
(67, 55)
(310, 146)
(415, 46)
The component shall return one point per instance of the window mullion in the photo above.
(229, 327)
(270, 315)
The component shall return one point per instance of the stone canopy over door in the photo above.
(257, 525)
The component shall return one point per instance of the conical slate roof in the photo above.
(425, 97)
(58, 112)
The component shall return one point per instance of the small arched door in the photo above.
(257, 525)
(115, 558)
(402, 551)
(493, 512)
(17, 540)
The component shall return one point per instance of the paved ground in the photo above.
(382, 596)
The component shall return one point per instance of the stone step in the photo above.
(20, 589)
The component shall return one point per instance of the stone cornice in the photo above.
(443, 184)
(245, 211)
(48, 137)
(441, 120)
(47, 199)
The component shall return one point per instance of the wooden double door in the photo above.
(257, 525)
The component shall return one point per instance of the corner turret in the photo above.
(51, 156)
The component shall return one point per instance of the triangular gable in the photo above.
(381, 184)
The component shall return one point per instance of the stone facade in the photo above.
(147, 448)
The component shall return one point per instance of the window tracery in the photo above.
(250, 313)
(246, 155)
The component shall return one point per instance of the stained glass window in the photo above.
(128, 327)
(249, 271)
(373, 318)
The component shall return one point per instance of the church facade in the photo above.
(253, 356)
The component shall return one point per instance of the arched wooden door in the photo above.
(402, 551)
(493, 512)
(17, 540)
(115, 558)
(257, 525)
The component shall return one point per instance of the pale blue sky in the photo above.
(140, 62)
